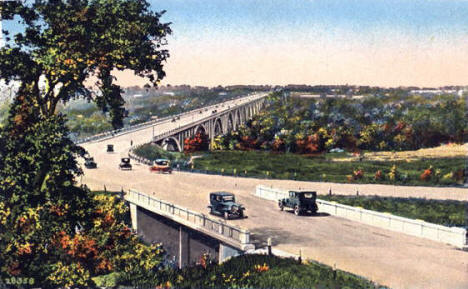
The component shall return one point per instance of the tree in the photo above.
(49, 226)
(66, 42)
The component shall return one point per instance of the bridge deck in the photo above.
(390, 258)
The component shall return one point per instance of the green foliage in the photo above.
(153, 152)
(262, 271)
(446, 212)
(313, 168)
(108, 280)
(66, 42)
(309, 126)
(52, 230)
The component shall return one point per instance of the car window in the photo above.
(308, 195)
(228, 198)
(219, 198)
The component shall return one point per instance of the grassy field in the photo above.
(447, 213)
(261, 271)
(323, 168)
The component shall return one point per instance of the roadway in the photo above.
(390, 258)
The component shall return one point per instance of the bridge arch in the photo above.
(171, 144)
(200, 129)
(218, 127)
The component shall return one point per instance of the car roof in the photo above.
(222, 193)
(303, 192)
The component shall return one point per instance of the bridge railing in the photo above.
(200, 121)
(112, 133)
(236, 235)
(419, 228)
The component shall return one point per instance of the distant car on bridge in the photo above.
(161, 166)
(89, 162)
(224, 204)
(125, 164)
(300, 202)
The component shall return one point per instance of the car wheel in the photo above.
(281, 206)
(297, 211)
(226, 215)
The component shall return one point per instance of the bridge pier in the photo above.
(134, 217)
(226, 252)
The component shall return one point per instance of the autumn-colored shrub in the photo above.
(427, 174)
(358, 174)
(379, 175)
(199, 142)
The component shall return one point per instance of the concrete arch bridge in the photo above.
(223, 118)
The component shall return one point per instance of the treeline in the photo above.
(375, 123)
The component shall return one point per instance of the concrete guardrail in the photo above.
(232, 235)
(449, 235)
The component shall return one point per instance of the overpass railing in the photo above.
(233, 235)
(419, 228)
(113, 133)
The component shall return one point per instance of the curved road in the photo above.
(390, 258)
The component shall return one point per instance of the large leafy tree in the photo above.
(64, 43)
(50, 228)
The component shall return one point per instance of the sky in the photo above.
(278, 42)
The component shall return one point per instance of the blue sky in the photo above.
(372, 42)
(325, 18)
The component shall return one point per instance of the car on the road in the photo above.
(300, 201)
(224, 204)
(90, 163)
(161, 166)
(125, 164)
(110, 148)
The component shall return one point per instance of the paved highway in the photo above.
(390, 258)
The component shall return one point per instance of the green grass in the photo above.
(446, 212)
(281, 273)
(321, 168)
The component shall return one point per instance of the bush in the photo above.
(153, 152)
(263, 271)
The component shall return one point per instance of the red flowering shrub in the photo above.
(199, 142)
(358, 174)
(427, 174)
(379, 175)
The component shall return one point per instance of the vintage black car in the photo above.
(125, 164)
(90, 163)
(224, 204)
(110, 148)
(300, 202)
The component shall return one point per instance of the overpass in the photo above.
(222, 119)
(389, 258)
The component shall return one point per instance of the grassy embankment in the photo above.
(261, 271)
(328, 167)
